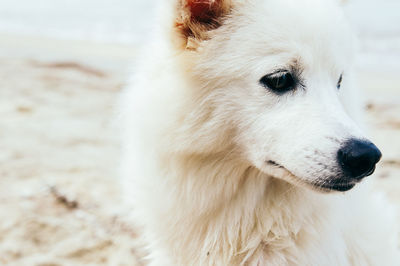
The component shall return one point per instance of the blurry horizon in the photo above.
(126, 22)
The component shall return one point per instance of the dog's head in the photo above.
(277, 74)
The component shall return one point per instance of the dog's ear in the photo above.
(195, 18)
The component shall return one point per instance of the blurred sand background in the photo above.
(59, 198)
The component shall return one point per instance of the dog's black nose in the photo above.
(358, 158)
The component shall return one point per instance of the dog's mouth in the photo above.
(338, 184)
(273, 163)
(345, 184)
(340, 187)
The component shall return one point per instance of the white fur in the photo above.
(199, 130)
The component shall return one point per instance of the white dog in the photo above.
(241, 139)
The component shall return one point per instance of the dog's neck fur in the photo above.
(238, 217)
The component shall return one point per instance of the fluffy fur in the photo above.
(201, 133)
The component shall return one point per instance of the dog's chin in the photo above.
(280, 172)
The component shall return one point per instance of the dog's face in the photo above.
(279, 73)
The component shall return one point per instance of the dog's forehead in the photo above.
(264, 35)
(317, 27)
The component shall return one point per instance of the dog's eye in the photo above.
(280, 82)
(339, 83)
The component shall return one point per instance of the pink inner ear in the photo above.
(204, 11)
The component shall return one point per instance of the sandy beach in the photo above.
(59, 197)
